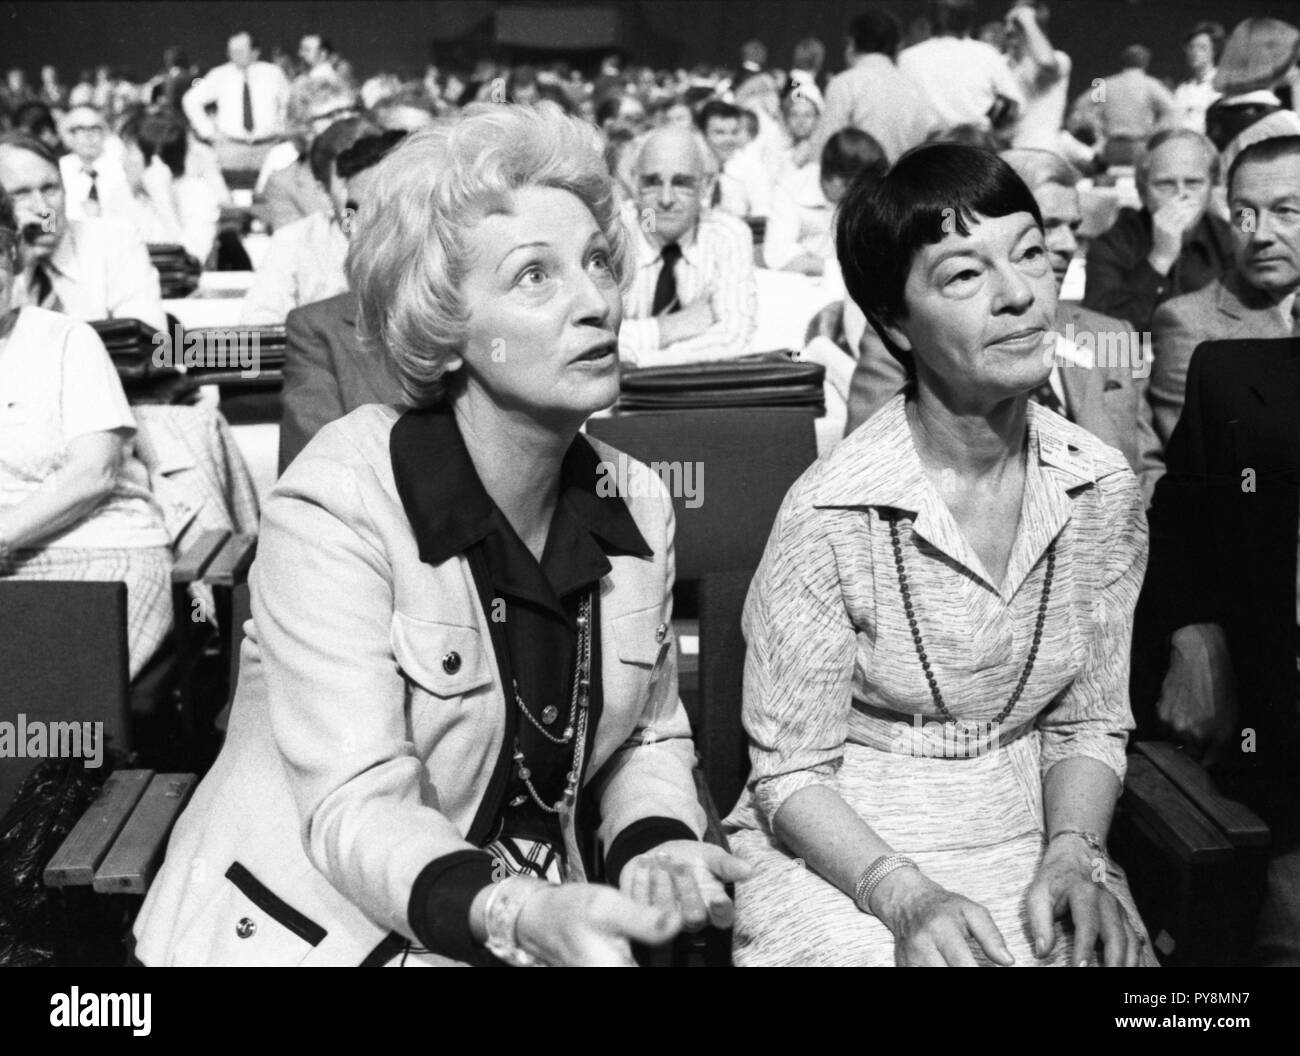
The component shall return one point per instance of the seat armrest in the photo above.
(230, 567)
(88, 844)
(1242, 826)
(138, 850)
(196, 559)
(1188, 833)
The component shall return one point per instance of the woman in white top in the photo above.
(799, 236)
(171, 207)
(74, 500)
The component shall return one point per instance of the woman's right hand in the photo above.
(932, 926)
(590, 925)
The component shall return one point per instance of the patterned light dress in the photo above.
(835, 694)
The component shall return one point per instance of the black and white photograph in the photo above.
(669, 483)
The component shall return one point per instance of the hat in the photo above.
(1278, 123)
(1257, 55)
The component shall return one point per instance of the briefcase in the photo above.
(765, 379)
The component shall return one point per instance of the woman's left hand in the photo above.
(687, 874)
(1067, 884)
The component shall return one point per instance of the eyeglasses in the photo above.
(98, 130)
(682, 186)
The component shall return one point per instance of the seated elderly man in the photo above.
(693, 294)
(95, 268)
(94, 182)
(1258, 298)
(1098, 379)
(304, 262)
(1170, 246)
(327, 373)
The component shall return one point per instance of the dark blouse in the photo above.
(531, 608)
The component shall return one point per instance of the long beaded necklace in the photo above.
(920, 648)
(575, 728)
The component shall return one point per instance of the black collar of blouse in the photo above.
(449, 511)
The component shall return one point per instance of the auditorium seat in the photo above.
(749, 459)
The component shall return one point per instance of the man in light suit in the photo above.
(1258, 297)
(1104, 394)
(327, 373)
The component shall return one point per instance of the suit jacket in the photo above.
(1224, 528)
(1227, 308)
(358, 752)
(327, 373)
(1108, 401)
(1120, 282)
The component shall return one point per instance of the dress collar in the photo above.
(888, 474)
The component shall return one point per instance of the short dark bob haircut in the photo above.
(930, 191)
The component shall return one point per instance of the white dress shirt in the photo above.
(747, 185)
(100, 270)
(960, 77)
(800, 221)
(224, 86)
(876, 96)
(304, 264)
(110, 180)
(1043, 114)
(197, 210)
(57, 383)
(1192, 98)
(717, 262)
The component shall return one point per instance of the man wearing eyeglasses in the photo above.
(96, 268)
(94, 182)
(693, 295)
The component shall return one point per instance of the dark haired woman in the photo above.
(936, 690)
(171, 206)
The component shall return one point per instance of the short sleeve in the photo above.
(92, 400)
(799, 664)
(1093, 716)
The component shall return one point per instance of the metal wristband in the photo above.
(501, 918)
(874, 873)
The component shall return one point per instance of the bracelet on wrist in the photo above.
(876, 872)
(1093, 841)
(501, 919)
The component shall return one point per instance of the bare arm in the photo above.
(67, 496)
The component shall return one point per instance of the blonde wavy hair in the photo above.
(408, 253)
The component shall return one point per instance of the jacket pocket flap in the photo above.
(446, 659)
(273, 906)
(641, 636)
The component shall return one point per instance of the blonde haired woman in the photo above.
(459, 686)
